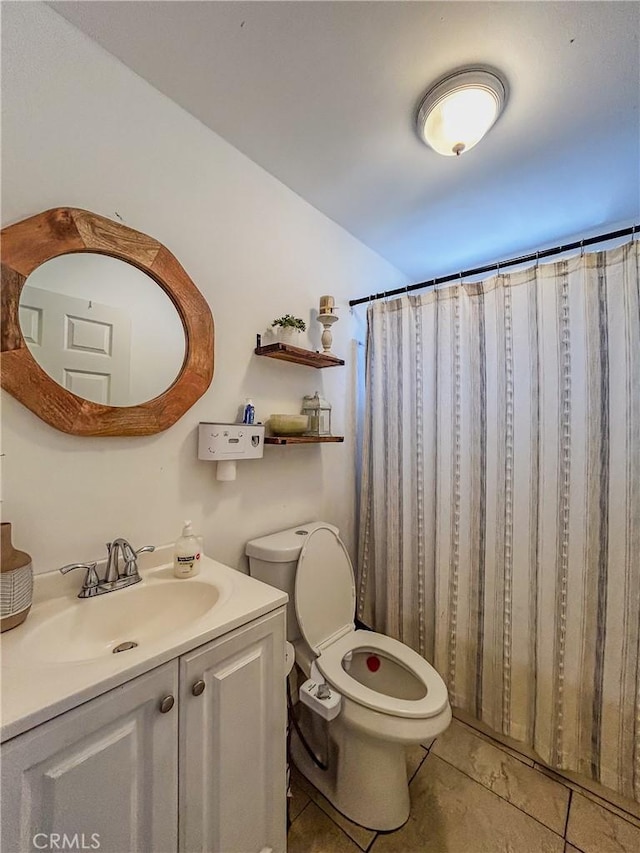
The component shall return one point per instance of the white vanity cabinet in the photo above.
(106, 773)
(133, 771)
(233, 742)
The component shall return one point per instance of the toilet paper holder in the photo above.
(226, 443)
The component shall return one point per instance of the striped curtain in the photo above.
(500, 502)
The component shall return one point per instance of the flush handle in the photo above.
(198, 687)
(167, 704)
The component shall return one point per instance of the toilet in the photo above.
(383, 695)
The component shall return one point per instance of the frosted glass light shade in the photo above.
(456, 113)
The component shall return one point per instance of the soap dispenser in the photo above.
(187, 553)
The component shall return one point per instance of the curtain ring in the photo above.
(537, 259)
(582, 248)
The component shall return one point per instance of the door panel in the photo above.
(105, 772)
(232, 742)
(84, 346)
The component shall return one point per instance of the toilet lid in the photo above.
(325, 591)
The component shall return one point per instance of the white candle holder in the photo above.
(327, 321)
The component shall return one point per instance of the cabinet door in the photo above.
(232, 742)
(104, 773)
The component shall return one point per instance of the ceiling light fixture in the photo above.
(460, 109)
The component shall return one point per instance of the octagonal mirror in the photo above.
(103, 332)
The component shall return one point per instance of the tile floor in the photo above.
(469, 794)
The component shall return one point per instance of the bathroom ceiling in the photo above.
(323, 95)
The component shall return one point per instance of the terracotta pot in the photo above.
(16, 582)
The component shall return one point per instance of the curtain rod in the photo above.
(532, 256)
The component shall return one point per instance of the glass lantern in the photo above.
(319, 413)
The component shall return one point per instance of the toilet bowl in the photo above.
(390, 697)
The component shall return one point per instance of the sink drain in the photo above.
(124, 647)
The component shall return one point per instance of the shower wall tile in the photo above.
(524, 787)
(594, 829)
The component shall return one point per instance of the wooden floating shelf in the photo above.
(297, 355)
(302, 439)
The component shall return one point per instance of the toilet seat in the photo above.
(325, 599)
(330, 665)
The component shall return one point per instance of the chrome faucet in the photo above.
(114, 578)
(116, 549)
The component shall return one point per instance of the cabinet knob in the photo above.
(198, 687)
(166, 704)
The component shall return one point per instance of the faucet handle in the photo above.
(131, 560)
(145, 549)
(91, 580)
(130, 553)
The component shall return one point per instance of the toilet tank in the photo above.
(273, 559)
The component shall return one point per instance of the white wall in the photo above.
(80, 129)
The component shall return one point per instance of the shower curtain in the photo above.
(500, 501)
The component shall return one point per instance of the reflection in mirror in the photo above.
(102, 328)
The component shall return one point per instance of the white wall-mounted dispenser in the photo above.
(226, 443)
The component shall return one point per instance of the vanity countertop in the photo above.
(54, 661)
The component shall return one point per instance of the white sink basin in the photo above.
(62, 654)
(91, 628)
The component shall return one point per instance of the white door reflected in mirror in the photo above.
(102, 328)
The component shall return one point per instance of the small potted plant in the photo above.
(289, 327)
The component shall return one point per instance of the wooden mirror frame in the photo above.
(64, 230)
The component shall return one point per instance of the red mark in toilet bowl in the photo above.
(373, 663)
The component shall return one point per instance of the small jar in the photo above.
(319, 413)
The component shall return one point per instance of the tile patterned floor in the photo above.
(471, 795)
